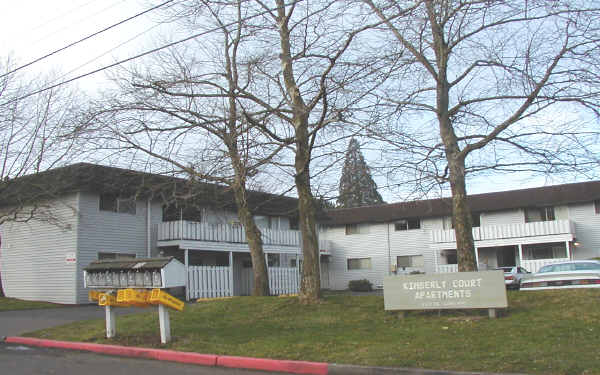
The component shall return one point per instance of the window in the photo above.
(410, 261)
(476, 219)
(112, 203)
(359, 264)
(544, 251)
(597, 206)
(451, 256)
(294, 223)
(448, 222)
(273, 260)
(536, 214)
(351, 229)
(407, 224)
(106, 256)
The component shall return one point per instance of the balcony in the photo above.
(497, 232)
(195, 231)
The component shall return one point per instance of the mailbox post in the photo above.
(136, 282)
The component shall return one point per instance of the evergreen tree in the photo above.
(357, 187)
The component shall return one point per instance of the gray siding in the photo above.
(587, 230)
(502, 217)
(33, 255)
(372, 242)
(111, 232)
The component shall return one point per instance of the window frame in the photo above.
(116, 204)
(370, 266)
(411, 262)
(546, 213)
(407, 224)
(350, 229)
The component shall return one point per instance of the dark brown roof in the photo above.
(505, 200)
(57, 182)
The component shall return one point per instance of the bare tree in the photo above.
(313, 86)
(486, 88)
(31, 141)
(185, 109)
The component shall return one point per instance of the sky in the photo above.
(29, 30)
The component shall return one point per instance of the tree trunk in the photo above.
(253, 236)
(463, 223)
(310, 289)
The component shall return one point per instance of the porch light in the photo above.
(575, 242)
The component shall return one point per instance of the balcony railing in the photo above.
(495, 232)
(195, 231)
(529, 265)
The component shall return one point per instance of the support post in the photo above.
(111, 322)
(477, 258)
(520, 255)
(231, 273)
(165, 324)
(492, 313)
(568, 249)
(187, 274)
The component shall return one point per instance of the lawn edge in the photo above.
(250, 363)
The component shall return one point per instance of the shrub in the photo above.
(363, 285)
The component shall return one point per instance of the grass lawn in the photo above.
(7, 304)
(548, 332)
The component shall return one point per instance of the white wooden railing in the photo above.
(447, 268)
(495, 232)
(190, 230)
(282, 280)
(209, 282)
(529, 265)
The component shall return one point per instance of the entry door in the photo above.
(506, 256)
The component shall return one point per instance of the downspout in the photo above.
(389, 249)
(149, 229)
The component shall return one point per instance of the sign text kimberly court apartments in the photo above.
(461, 290)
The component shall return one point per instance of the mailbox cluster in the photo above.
(135, 282)
(135, 273)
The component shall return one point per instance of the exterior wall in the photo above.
(502, 217)
(372, 242)
(34, 256)
(111, 232)
(587, 227)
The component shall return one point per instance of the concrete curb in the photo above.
(293, 367)
(264, 364)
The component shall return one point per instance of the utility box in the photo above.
(148, 273)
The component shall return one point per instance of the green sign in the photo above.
(460, 290)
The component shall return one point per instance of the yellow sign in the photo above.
(93, 295)
(161, 297)
(105, 299)
(136, 297)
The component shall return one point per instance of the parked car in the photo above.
(513, 276)
(565, 275)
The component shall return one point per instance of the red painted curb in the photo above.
(294, 367)
(124, 351)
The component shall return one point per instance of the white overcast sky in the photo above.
(31, 29)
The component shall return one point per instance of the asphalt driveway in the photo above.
(14, 323)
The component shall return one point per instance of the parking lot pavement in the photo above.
(14, 323)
